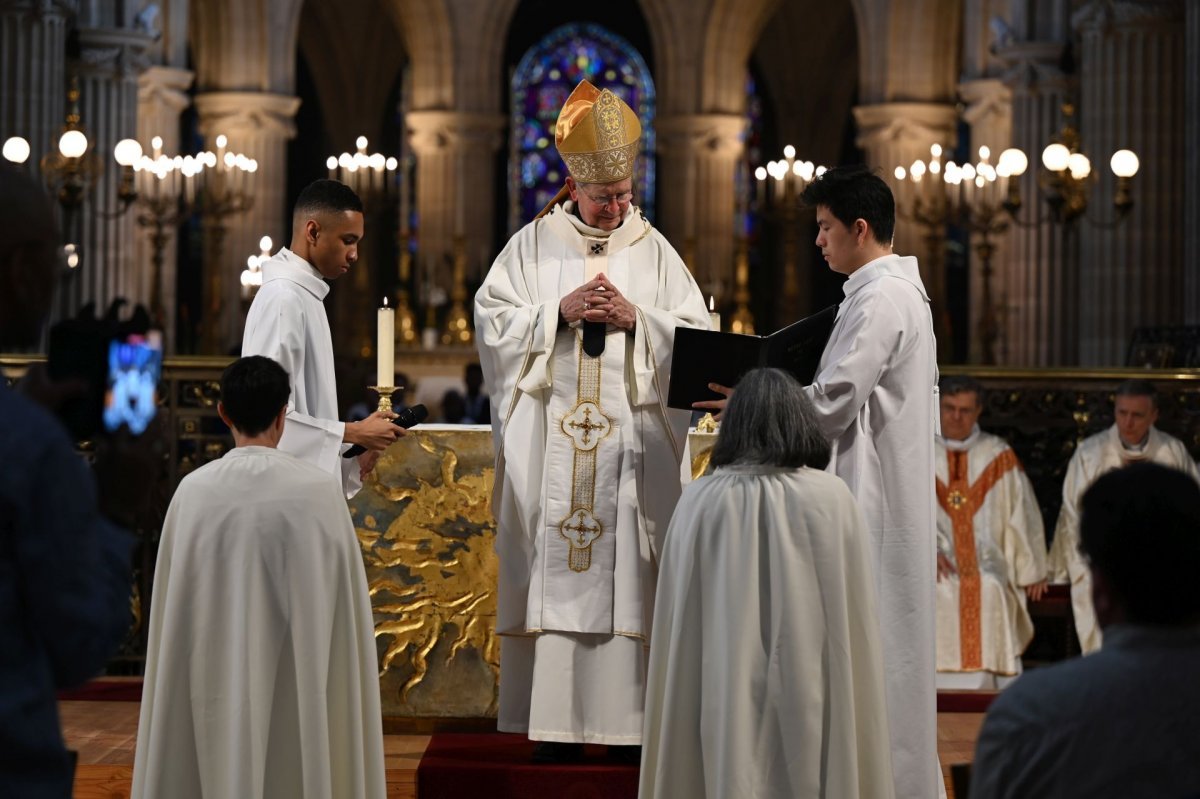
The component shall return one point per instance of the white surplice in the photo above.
(875, 394)
(1096, 455)
(587, 471)
(766, 671)
(987, 505)
(287, 323)
(261, 672)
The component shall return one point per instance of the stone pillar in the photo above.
(989, 113)
(698, 156)
(1191, 183)
(110, 60)
(258, 124)
(1040, 282)
(162, 96)
(897, 134)
(33, 35)
(1132, 96)
(455, 157)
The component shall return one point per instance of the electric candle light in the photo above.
(385, 364)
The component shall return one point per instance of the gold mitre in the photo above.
(597, 135)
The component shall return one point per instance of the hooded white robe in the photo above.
(876, 397)
(1095, 456)
(287, 323)
(983, 624)
(261, 670)
(766, 671)
(576, 619)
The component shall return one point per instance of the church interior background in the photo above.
(1051, 284)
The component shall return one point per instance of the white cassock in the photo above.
(766, 672)
(287, 323)
(1095, 456)
(261, 673)
(876, 397)
(587, 471)
(989, 526)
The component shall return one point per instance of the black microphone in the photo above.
(406, 419)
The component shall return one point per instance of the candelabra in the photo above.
(1067, 177)
(252, 275)
(970, 197)
(458, 331)
(789, 178)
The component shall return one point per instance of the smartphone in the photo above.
(131, 393)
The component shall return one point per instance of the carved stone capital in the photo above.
(113, 53)
(1106, 15)
(988, 98)
(165, 87)
(915, 124)
(431, 132)
(247, 113)
(691, 135)
(1034, 66)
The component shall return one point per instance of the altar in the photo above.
(428, 536)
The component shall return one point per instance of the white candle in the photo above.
(714, 318)
(385, 363)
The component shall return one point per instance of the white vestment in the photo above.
(876, 397)
(261, 672)
(287, 323)
(766, 672)
(587, 471)
(989, 526)
(1096, 455)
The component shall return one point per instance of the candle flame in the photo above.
(385, 302)
(711, 300)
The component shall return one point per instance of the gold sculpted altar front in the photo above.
(428, 543)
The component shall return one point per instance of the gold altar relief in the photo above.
(427, 538)
(700, 444)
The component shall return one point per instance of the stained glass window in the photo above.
(541, 84)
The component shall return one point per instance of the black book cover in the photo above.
(701, 357)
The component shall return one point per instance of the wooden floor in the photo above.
(105, 735)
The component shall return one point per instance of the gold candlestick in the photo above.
(406, 320)
(385, 396)
(743, 319)
(458, 331)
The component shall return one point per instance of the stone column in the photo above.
(1040, 282)
(897, 134)
(110, 60)
(33, 35)
(258, 124)
(701, 150)
(162, 96)
(1191, 183)
(989, 113)
(1132, 96)
(455, 172)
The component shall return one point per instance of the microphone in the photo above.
(406, 419)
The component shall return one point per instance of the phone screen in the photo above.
(131, 396)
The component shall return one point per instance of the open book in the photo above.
(708, 356)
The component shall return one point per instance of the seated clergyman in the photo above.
(991, 547)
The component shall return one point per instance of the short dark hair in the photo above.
(1140, 528)
(1137, 387)
(855, 192)
(327, 197)
(253, 390)
(770, 422)
(950, 385)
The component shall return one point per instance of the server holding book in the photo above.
(875, 396)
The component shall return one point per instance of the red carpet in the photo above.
(496, 765)
(125, 689)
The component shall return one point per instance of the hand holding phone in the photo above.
(131, 398)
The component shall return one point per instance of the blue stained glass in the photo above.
(543, 80)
